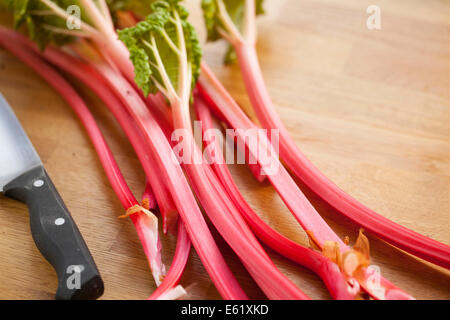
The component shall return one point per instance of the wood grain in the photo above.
(370, 108)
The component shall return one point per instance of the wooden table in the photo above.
(370, 108)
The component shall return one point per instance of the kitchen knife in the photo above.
(23, 178)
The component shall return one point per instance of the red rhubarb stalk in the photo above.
(172, 278)
(224, 105)
(158, 102)
(391, 232)
(298, 204)
(330, 273)
(168, 29)
(244, 45)
(178, 186)
(89, 76)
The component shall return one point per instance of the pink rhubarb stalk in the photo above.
(333, 278)
(177, 267)
(391, 232)
(224, 105)
(288, 190)
(215, 201)
(183, 46)
(184, 200)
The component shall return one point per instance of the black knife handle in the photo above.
(57, 236)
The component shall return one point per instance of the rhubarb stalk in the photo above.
(166, 56)
(330, 273)
(224, 105)
(235, 22)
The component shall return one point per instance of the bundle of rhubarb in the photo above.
(143, 59)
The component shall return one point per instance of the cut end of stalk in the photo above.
(332, 251)
(136, 209)
(356, 260)
(346, 240)
(146, 203)
(313, 242)
(352, 262)
(173, 294)
(362, 244)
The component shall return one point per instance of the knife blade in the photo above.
(23, 178)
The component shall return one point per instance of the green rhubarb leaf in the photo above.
(20, 10)
(155, 49)
(213, 21)
(235, 10)
(6, 4)
(141, 8)
(230, 56)
(41, 22)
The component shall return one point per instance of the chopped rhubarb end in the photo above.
(146, 203)
(332, 251)
(136, 209)
(313, 242)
